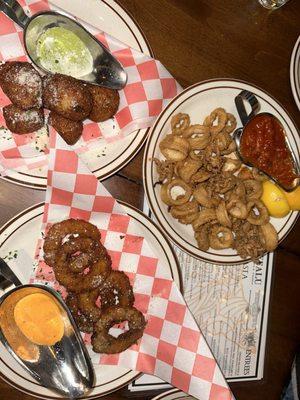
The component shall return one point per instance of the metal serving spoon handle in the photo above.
(15, 12)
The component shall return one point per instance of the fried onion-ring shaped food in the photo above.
(220, 237)
(179, 123)
(200, 176)
(203, 198)
(23, 121)
(105, 103)
(185, 213)
(84, 323)
(174, 148)
(231, 165)
(202, 238)
(268, 237)
(60, 230)
(22, 84)
(103, 342)
(196, 129)
(230, 124)
(187, 168)
(198, 136)
(117, 291)
(165, 170)
(222, 215)
(219, 115)
(67, 96)
(69, 130)
(81, 282)
(204, 216)
(257, 212)
(254, 189)
(79, 253)
(166, 192)
(237, 208)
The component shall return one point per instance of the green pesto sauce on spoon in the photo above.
(62, 51)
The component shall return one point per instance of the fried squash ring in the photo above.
(103, 342)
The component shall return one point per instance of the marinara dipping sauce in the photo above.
(263, 145)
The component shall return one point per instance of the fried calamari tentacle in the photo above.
(174, 148)
(201, 237)
(165, 170)
(254, 189)
(237, 209)
(166, 192)
(268, 236)
(179, 123)
(222, 215)
(220, 237)
(204, 216)
(257, 213)
(185, 213)
(84, 323)
(103, 342)
(230, 124)
(60, 230)
(187, 168)
(203, 198)
(247, 242)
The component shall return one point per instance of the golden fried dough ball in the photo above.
(22, 84)
(67, 97)
(105, 103)
(23, 121)
(69, 130)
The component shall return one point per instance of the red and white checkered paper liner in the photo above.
(149, 88)
(172, 346)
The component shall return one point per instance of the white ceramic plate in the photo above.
(113, 19)
(173, 394)
(198, 101)
(22, 232)
(295, 72)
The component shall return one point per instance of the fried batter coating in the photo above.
(84, 323)
(69, 130)
(23, 121)
(22, 84)
(105, 103)
(67, 96)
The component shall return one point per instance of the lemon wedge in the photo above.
(275, 200)
(293, 198)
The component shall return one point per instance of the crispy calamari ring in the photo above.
(196, 129)
(221, 141)
(231, 165)
(79, 253)
(220, 237)
(187, 168)
(179, 123)
(230, 149)
(166, 194)
(103, 342)
(218, 114)
(261, 217)
(203, 198)
(237, 208)
(201, 237)
(254, 189)
(204, 216)
(222, 215)
(84, 323)
(268, 236)
(201, 176)
(81, 282)
(116, 291)
(198, 136)
(60, 230)
(174, 148)
(230, 124)
(197, 155)
(213, 159)
(185, 213)
(165, 170)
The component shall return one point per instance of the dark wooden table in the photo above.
(198, 40)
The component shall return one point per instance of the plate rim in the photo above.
(146, 170)
(295, 53)
(41, 181)
(37, 210)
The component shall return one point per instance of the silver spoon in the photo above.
(65, 366)
(246, 118)
(105, 69)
